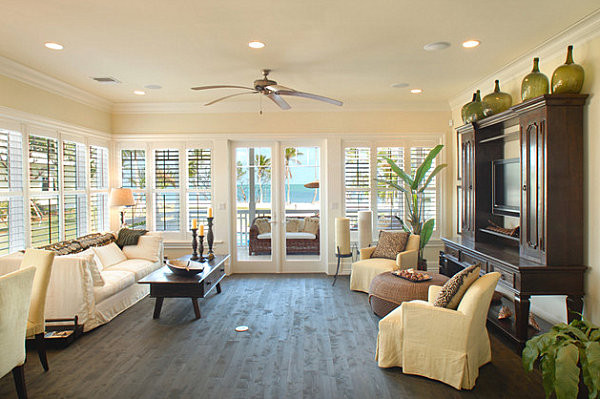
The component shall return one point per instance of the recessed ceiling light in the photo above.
(153, 87)
(399, 85)
(256, 44)
(416, 91)
(436, 46)
(471, 43)
(53, 46)
(139, 92)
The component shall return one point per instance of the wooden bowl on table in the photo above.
(186, 268)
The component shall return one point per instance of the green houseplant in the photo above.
(565, 352)
(413, 189)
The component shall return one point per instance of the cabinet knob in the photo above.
(470, 187)
(524, 187)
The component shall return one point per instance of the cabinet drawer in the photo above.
(507, 276)
(471, 260)
(451, 251)
(213, 278)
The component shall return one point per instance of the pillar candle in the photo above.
(201, 229)
(342, 235)
(210, 212)
(365, 228)
(194, 224)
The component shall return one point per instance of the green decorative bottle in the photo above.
(464, 108)
(568, 78)
(496, 102)
(474, 111)
(535, 83)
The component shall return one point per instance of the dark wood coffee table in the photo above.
(165, 284)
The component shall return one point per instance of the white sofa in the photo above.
(74, 291)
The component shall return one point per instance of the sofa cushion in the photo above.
(139, 267)
(92, 264)
(311, 225)
(264, 236)
(109, 255)
(129, 236)
(263, 225)
(455, 288)
(148, 248)
(114, 281)
(390, 244)
(292, 225)
(300, 235)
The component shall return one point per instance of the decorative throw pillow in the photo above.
(390, 244)
(263, 225)
(109, 255)
(129, 237)
(292, 225)
(148, 248)
(455, 288)
(311, 225)
(96, 239)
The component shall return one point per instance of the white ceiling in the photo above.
(351, 50)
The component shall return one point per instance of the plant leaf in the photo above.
(566, 383)
(392, 184)
(432, 175)
(530, 353)
(426, 232)
(397, 170)
(592, 360)
(425, 166)
(404, 226)
(547, 364)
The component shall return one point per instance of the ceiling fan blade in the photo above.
(279, 101)
(277, 88)
(311, 96)
(232, 95)
(222, 87)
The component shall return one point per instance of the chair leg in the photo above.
(19, 377)
(40, 345)
(337, 270)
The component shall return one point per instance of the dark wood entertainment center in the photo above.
(545, 135)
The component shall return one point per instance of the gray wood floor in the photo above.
(306, 340)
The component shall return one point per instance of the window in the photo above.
(133, 175)
(364, 168)
(166, 168)
(357, 178)
(12, 215)
(74, 185)
(199, 184)
(43, 163)
(45, 226)
(99, 211)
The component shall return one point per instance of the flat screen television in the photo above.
(506, 187)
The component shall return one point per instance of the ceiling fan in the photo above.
(271, 89)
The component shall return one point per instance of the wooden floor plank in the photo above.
(306, 340)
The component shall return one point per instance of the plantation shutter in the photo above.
(43, 163)
(133, 168)
(199, 196)
(166, 168)
(417, 156)
(390, 202)
(12, 213)
(99, 212)
(98, 168)
(357, 181)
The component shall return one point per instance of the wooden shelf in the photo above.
(497, 234)
(509, 324)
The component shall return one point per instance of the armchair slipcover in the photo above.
(439, 343)
(367, 268)
(15, 295)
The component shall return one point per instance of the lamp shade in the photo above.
(121, 197)
(365, 228)
(342, 236)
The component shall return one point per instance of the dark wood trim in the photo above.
(40, 345)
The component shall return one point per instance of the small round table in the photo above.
(387, 291)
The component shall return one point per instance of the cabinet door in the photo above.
(533, 170)
(468, 186)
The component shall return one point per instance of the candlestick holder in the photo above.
(201, 245)
(194, 245)
(210, 238)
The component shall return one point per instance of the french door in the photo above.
(276, 196)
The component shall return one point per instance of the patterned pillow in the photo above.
(390, 244)
(263, 225)
(129, 237)
(292, 225)
(96, 240)
(455, 288)
(311, 225)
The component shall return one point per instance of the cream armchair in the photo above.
(15, 295)
(442, 344)
(365, 270)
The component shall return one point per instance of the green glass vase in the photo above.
(474, 111)
(535, 83)
(497, 101)
(464, 108)
(568, 78)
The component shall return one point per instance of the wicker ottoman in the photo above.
(387, 291)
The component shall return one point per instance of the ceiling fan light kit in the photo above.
(271, 90)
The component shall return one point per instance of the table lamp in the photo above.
(121, 197)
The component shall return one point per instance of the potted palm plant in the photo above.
(413, 188)
(566, 352)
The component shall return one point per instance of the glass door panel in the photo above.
(253, 198)
(302, 203)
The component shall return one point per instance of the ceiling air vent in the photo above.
(107, 80)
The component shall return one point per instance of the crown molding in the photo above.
(32, 77)
(582, 31)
